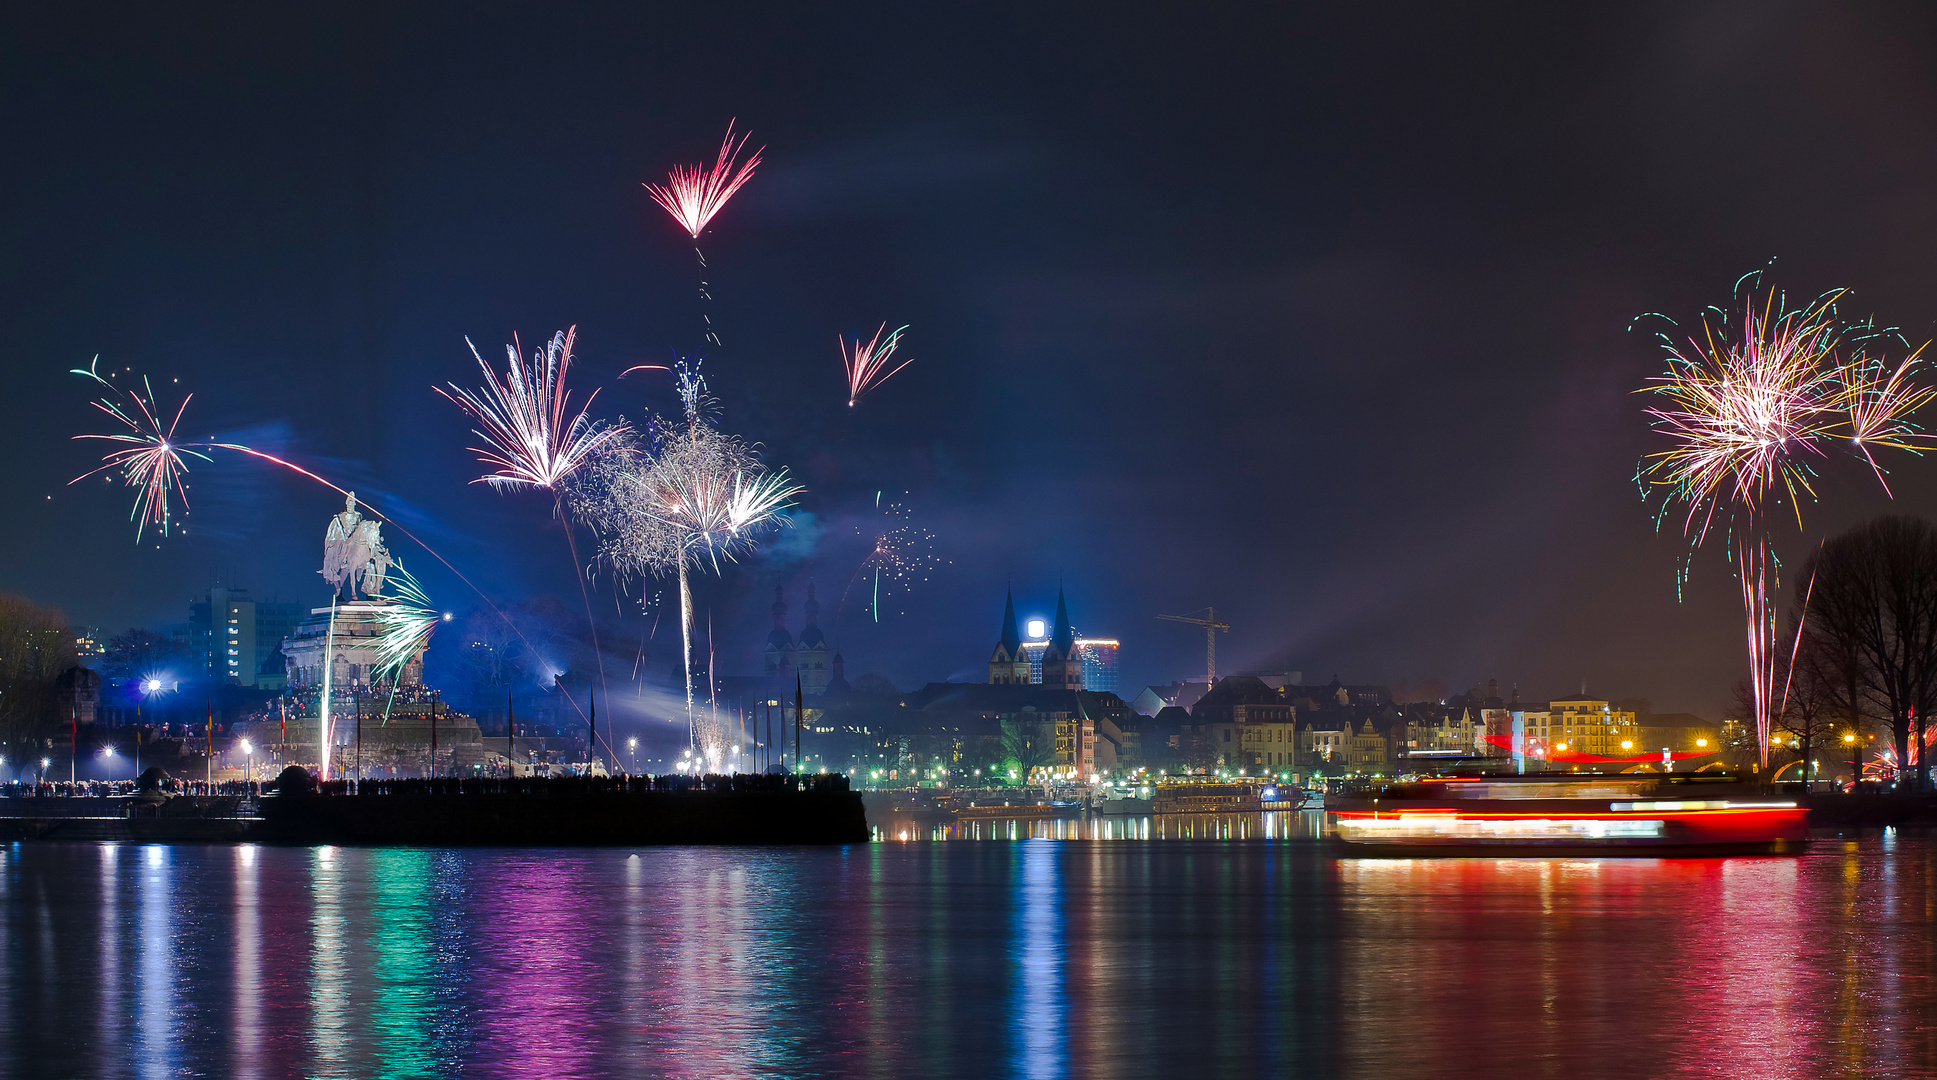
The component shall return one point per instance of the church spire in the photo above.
(1064, 638)
(1011, 637)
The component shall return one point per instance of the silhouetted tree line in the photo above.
(1867, 652)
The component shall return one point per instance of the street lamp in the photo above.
(249, 752)
(1856, 758)
(632, 747)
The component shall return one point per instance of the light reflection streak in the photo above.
(1039, 1017)
(402, 962)
(329, 979)
(155, 966)
(541, 1013)
(109, 959)
(1268, 825)
(246, 1030)
(1757, 1012)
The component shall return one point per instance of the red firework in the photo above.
(693, 195)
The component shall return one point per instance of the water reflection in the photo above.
(1039, 972)
(246, 1025)
(155, 967)
(1276, 825)
(1186, 956)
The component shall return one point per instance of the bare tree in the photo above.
(1872, 619)
(1807, 709)
(35, 647)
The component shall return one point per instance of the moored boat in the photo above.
(1224, 795)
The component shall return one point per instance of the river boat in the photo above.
(1021, 810)
(1553, 813)
(1224, 795)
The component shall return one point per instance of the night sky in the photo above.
(1321, 318)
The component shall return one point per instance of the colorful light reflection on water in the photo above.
(1190, 956)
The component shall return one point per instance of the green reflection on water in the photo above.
(405, 965)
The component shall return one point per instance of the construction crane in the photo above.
(1211, 627)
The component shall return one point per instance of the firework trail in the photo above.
(149, 458)
(698, 404)
(903, 556)
(696, 497)
(1748, 419)
(533, 438)
(694, 195)
(867, 362)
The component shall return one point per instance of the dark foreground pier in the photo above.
(537, 812)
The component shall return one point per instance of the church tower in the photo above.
(1008, 665)
(810, 654)
(780, 644)
(1062, 669)
(837, 684)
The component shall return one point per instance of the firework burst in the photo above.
(531, 435)
(867, 362)
(694, 195)
(1745, 417)
(1879, 399)
(696, 497)
(1748, 419)
(404, 624)
(902, 557)
(149, 457)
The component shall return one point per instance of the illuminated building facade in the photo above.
(1580, 725)
(1099, 663)
(235, 637)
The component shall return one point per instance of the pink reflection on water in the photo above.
(541, 962)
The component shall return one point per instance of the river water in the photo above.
(1189, 948)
